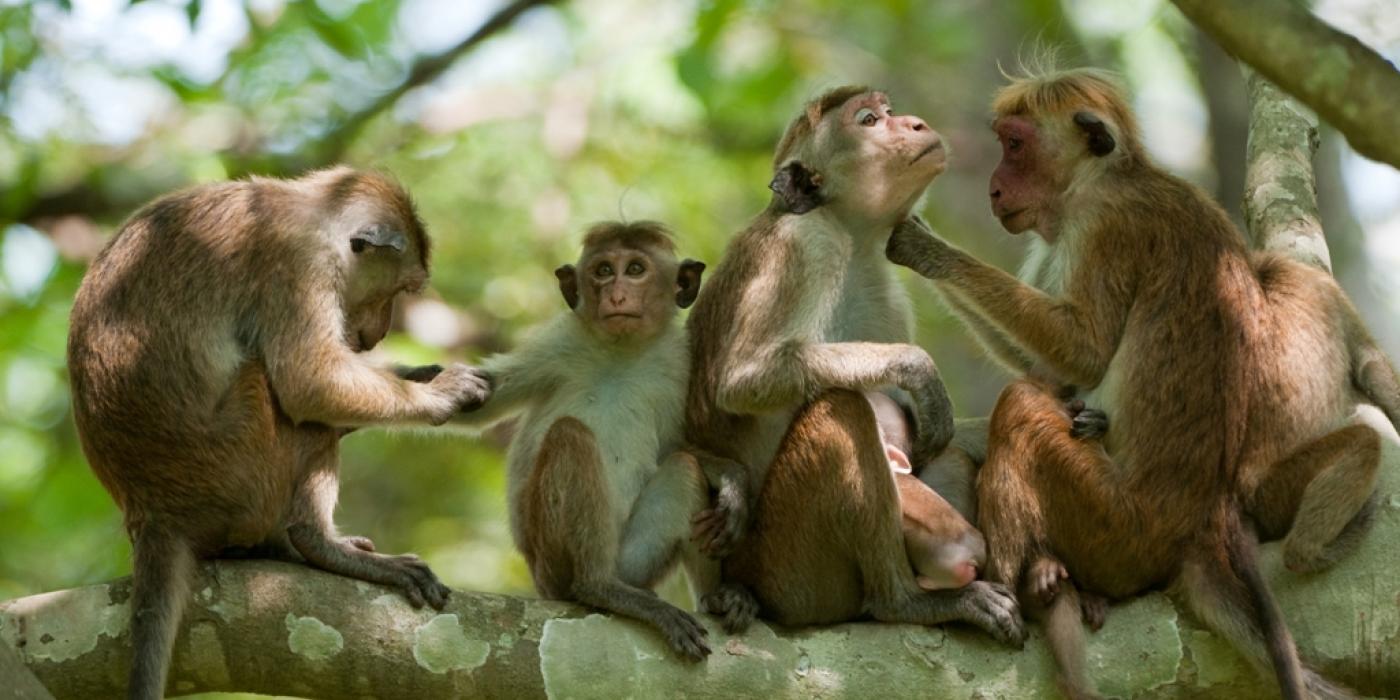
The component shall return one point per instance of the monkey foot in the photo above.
(684, 633)
(348, 556)
(733, 604)
(1043, 579)
(1093, 609)
(993, 607)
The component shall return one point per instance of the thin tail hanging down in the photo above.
(162, 566)
(1224, 586)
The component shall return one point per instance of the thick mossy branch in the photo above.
(270, 627)
(1350, 85)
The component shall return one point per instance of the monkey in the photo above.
(214, 360)
(1231, 378)
(602, 495)
(802, 315)
(943, 547)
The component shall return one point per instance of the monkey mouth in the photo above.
(935, 146)
(621, 314)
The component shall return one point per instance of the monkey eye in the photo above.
(866, 117)
(1013, 144)
(635, 268)
(357, 245)
(604, 270)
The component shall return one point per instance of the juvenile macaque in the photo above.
(601, 501)
(944, 548)
(1231, 379)
(801, 316)
(213, 356)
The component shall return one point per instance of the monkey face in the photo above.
(627, 293)
(880, 162)
(375, 275)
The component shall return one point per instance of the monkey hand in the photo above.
(457, 388)
(933, 410)
(993, 607)
(716, 530)
(1086, 423)
(914, 245)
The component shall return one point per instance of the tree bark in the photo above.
(1280, 198)
(1354, 88)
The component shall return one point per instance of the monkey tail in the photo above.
(1227, 590)
(162, 566)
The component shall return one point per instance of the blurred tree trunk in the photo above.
(1223, 88)
(1348, 83)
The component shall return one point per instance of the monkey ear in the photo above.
(798, 187)
(568, 284)
(688, 282)
(1101, 142)
(379, 236)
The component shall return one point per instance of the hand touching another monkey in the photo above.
(602, 501)
(214, 359)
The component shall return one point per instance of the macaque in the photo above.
(801, 316)
(214, 360)
(602, 500)
(1231, 378)
(943, 547)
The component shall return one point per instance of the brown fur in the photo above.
(1212, 363)
(212, 356)
(800, 305)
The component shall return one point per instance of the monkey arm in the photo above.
(518, 379)
(989, 336)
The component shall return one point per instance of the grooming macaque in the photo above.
(1231, 379)
(601, 503)
(801, 316)
(213, 357)
(944, 548)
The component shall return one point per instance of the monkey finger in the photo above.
(1093, 609)
(1089, 424)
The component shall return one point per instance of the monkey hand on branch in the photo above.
(215, 359)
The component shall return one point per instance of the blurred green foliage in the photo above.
(577, 112)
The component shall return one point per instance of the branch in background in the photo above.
(1280, 194)
(425, 70)
(95, 201)
(1350, 85)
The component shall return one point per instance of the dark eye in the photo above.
(867, 117)
(604, 270)
(357, 245)
(636, 268)
(1013, 144)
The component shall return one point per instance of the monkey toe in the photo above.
(733, 604)
(1304, 559)
(685, 634)
(993, 607)
(1044, 579)
(1093, 608)
(364, 544)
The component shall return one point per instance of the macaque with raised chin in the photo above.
(214, 357)
(801, 316)
(603, 498)
(1232, 379)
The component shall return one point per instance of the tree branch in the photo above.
(270, 627)
(1354, 88)
(1280, 193)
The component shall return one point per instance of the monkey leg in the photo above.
(660, 523)
(1322, 495)
(1042, 490)
(313, 533)
(571, 541)
(827, 545)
